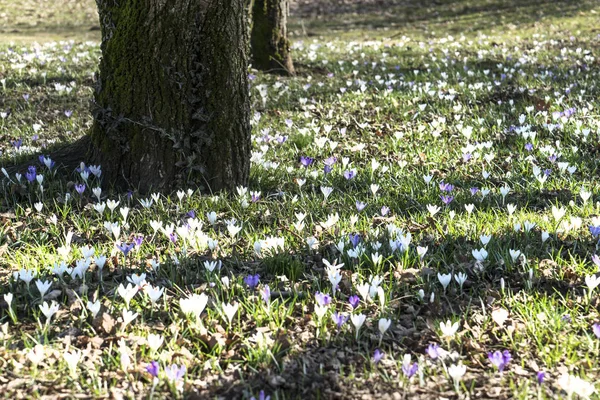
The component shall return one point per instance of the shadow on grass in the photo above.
(461, 16)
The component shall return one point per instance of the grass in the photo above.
(399, 104)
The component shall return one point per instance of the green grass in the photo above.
(394, 95)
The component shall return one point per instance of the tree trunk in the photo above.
(269, 42)
(171, 102)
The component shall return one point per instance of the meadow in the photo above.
(422, 219)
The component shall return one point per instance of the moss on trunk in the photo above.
(171, 102)
(269, 43)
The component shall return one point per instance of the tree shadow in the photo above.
(462, 16)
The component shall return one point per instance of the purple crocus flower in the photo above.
(68, 113)
(31, 174)
(330, 161)
(173, 237)
(26, 97)
(261, 396)
(191, 214)
(349, 174)
(541, 375)
(252, 280)
(322, 299)
(327, 169)
(529, 147)
(384, 211)
(354, 239)
(175, 372)
(138, 240)
(339, 319)
(378, 356)
(433, 351)
(596, 260)
(255, 197)
(35, 138)
(17, 143)
(306, 161)
(153, 368)
(410, 369)
(80, 188)
(553, 158)
(474, 191)
(126, 248)
(446, 187)
(360, 205)
(354, 301)
(596, 330)
(500, 359)
(447, 199)
(595, 230)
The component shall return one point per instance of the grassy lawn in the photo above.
(422, 218)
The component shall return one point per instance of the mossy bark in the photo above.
(171, 103)
(270, 46)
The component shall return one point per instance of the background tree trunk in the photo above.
(171, 101)
(270, 46)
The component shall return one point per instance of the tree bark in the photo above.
(171, 104)
(269, 43)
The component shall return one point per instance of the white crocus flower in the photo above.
(358, 320)
(230, 310)
(449, 329)
(194, 304)
(444, 279)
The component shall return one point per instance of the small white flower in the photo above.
(444, 279)
(421, 251)
(128, 316)
(485, 239)
(155, 341)
(194, 304)
(592, 282)
(49, 310)
(499, 316)
(545, 236)
(575, 385)
(230, 310)
(433, 209)
(26, 275)
(127, 293)
(460, 278)
(94, 307)
(558, 213)
(480, 255)
(8, 298)
(112, 204)
(514, 254)
(72, 359)
(39, 206)
(153, 293)
(358, 320)
(100, 262)
(456, 372)
(43, 287)
(511, 208)
(585, 195)
(449, 329)
(326, 190)
(384, 325)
